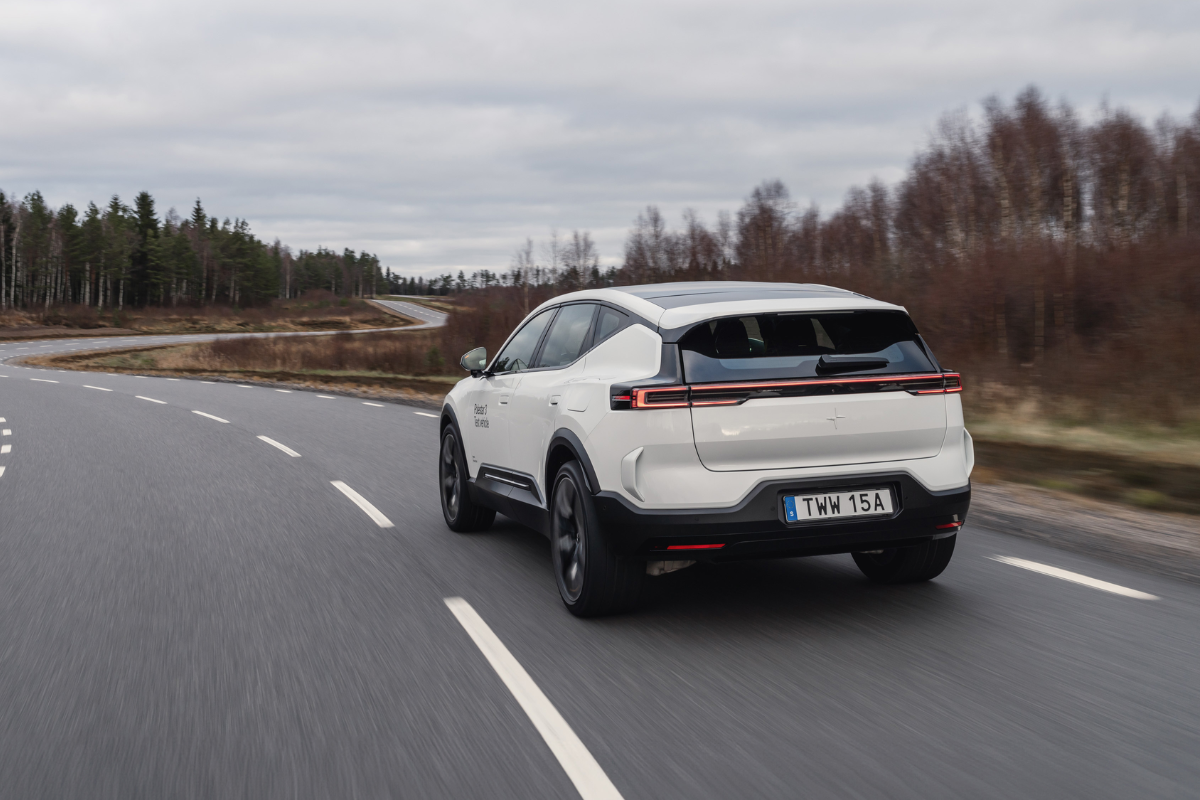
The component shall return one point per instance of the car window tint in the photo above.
(567, 335)
(519, 352)
(607, 324)
(800, 345)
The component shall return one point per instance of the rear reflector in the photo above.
(695, 546)
(948, 525)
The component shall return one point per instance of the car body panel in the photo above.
(703, 460)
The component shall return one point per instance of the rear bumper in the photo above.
(756, 527)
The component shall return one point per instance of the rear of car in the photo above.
(831, 428)
(716, 421)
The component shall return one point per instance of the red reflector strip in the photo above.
(624, 397)
(948, 525)
(695, 546)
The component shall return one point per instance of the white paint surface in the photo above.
(589, 778)
(1074, 577)
(362, 502)
(282, 447)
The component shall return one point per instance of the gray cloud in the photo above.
(441, 134)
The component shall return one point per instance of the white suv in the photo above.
(643, 428)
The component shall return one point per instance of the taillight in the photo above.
(732, 394)
(950, 382)
(663, 397)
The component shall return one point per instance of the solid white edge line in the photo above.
(377, 405)
(583, 770)
(97, 388)
(151, 399)
(210, 416)
(425, 414)
(1074, 577)
(285, 449)
(361, 502)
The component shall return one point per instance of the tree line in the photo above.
(117, 255)
(1029, 245)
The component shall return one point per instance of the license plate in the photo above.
(837, 505)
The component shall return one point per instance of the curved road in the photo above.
(190, 610)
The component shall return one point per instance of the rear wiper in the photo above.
(849, 363)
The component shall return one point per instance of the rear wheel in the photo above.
(461, 514)
(907, 564)
(592, 579)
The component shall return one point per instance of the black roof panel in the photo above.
(677, 295)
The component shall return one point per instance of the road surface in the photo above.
(209, 590)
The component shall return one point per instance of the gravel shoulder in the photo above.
(1165, 544)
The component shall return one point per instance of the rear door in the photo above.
(538, 400)
(781, 391)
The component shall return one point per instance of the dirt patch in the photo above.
(1166, 544)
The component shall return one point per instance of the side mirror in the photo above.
(475, 361)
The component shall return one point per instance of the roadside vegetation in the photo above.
(317, 310)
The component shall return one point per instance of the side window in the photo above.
(567, 336)
(519, 352)
(608, 323)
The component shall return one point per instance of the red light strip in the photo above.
(695, 546)
(639, 398)
(947, 525)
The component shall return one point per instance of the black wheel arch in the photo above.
(566, 446)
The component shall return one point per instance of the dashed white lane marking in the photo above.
(587, 775)
(6, 432)
(285, 391)
(242, 386)
(287, 450)
(151, 399)
(1074, 577)
(361, 502)
(43, 380)
(139, 376)
(5, 449)
(1, 472)
(377, 405)
(326, 397)
(210, 416)
(2, 419)
(210, 383)
(425, 414)
(173, 379)
(97, 388)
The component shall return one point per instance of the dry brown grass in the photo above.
(315, 311)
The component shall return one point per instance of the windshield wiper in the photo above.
(849, 363)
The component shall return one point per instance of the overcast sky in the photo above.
(440, 134)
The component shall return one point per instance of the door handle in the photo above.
(503, 399)
(554, 399)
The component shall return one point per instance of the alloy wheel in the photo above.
(569, 532)
(451, 489)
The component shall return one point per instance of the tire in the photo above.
(462, 515)
(920, 562)
(592, 580)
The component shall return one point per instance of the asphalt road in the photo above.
(187, 610)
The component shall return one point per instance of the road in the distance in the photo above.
(188, 610)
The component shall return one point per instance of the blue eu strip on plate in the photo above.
(789, 508)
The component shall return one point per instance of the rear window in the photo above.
(783, 346)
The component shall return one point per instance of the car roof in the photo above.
(673, 305)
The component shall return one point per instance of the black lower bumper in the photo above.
(757, 527)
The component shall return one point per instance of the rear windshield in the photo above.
(781, 346)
